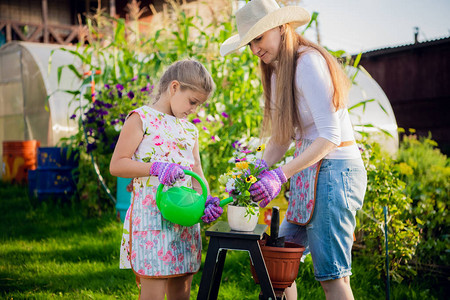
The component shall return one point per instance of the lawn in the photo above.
(49, 251)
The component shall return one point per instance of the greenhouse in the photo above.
(33, 105)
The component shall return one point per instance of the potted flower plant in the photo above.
(243, 213)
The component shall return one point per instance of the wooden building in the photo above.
(63, 21)
(416, 79)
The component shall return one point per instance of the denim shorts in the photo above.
(328, 236)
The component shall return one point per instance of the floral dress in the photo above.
(151, 245)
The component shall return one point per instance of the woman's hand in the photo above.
(168, 173)
(261, 163)
(267, 187)
(212, 209)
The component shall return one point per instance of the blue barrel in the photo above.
(54, 175)
(123, 197)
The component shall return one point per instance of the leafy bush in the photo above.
(386, 189)
(426, 172)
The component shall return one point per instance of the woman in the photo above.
(305, 92)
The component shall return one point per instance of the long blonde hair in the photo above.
(282, 118)
(190, 74)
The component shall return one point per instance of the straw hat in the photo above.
(258, 16)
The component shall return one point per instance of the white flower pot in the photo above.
(238, 221)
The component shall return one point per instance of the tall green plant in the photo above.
(426, 172)
(386, 189)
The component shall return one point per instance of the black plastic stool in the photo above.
(222, 238)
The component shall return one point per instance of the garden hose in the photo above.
(94, 164)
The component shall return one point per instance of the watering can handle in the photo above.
(196, 176)
(200, 180)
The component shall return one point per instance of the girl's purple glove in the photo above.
(212, 209)
(267, 187)
(167, 173)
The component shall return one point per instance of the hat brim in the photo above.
(294, 15)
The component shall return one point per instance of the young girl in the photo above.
(155, 145)
(305, 93)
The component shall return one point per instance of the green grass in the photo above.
(49, 251)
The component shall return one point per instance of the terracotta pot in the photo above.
(238, 221)
(282, 263)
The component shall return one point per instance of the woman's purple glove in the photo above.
(261, 163)
(212, 209)
(167, 173)
(267, 187)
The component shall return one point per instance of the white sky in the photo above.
(363, 25)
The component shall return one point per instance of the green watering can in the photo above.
(182, 205)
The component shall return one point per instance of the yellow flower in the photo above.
(261, 148)
(242, 165)
(251, 179)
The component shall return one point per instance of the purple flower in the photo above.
(196, 121)
(73, 116)
(146, 88)
(108, 105)
(134, 78)
(130, 94)
(225, 115)
(119, 93)
(107, 86)
(213, 138)
(91, 147)
(235, 144)
(119, 87)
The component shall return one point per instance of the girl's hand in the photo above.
(167, 173)
(212, 210)
(267, 187)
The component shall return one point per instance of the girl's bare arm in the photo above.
(129, 139)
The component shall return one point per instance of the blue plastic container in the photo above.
(53, 177)
(55, 157)
(123, 197)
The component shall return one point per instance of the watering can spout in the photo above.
(225, 201)
(182, 205)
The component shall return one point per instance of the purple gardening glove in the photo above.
(212, 209)
(267, 187)
(261, 163)
(167, 173)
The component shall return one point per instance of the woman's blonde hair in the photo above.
(282, 118)
(190, 74)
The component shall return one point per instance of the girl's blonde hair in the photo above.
(190, 74)
(282, 118)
